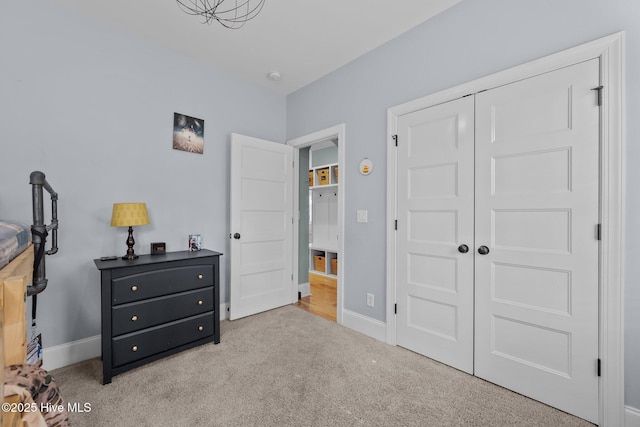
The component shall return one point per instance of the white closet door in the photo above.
(537, 156)
(435, 217)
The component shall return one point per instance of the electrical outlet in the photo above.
(370, 300)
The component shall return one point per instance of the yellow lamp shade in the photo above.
(129, 214)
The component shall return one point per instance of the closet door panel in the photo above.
(537, 187)
(435, 218)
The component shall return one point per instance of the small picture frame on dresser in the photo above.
(158, 248)
(195, 242)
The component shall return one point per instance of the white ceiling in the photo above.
(302, 39)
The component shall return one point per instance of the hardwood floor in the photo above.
(323, 298)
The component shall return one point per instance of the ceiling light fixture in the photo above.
(233, 14)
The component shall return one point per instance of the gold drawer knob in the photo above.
(200, 276)
(199, 302)
(134, 348)
(200, 328)
(134, 318)
(134, 288)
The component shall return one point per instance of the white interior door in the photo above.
(261, 225)
(435, 219)
(534, 250)
(537, 196)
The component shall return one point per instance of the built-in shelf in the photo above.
(323, 187)
(324, 176)
(323, 262)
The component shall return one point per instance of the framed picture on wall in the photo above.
(188, 133)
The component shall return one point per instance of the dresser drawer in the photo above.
(143, 314)
(138, 345)
(164, 281)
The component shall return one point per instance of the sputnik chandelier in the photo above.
(229, 13)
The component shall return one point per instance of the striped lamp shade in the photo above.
(129, 214)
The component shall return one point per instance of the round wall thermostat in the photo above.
(366, 166)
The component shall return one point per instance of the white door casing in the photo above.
(435, 211)
(261, 221)
(334, 132)
(537, 187)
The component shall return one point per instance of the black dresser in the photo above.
(157, 305)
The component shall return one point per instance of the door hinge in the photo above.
(599, 367)
(291, 276)
(396, 224)
(395, 308)
(599, 231)
(599, 90)
(395, 139)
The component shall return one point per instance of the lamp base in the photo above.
(130, 242)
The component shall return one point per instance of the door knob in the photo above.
(483, 250)
(463, 249)
(236, 236)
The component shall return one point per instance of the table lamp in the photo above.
(129, 215)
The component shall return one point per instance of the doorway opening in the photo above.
(318, 231)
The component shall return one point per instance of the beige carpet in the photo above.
(287, 367)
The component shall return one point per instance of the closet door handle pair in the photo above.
(482, 250)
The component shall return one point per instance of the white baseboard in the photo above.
(631, 417)
(70, 353)
(304, 289)
(365, 325)
(224, 311)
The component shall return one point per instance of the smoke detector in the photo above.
(274, 75)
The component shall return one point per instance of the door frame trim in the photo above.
(337, 131)
(609, 50)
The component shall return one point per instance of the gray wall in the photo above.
(471, 40)
(324, 156)
(93, 109)
(303, 221)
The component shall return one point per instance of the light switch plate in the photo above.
(361, 216)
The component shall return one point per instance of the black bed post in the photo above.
(39, 230)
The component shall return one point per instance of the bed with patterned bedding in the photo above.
(15, 237)
(37, 388)
(22, 386)
(22, 273)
